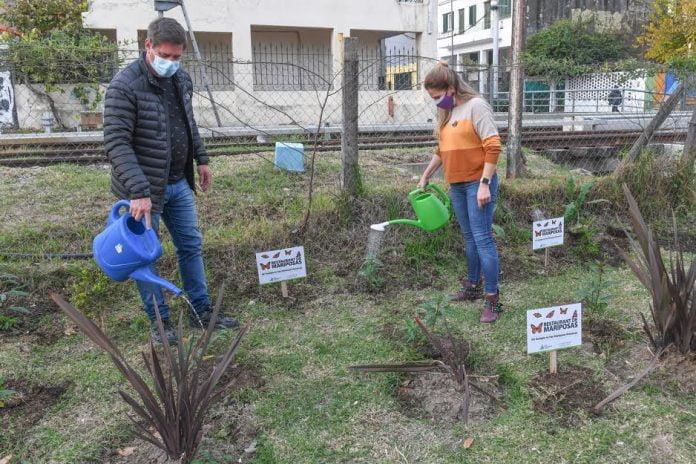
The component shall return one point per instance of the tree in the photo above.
(670, 38)
(52, 48)
(43, 17)
(571, 48)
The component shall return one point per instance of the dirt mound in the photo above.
(436, 396)
(25, 407)
(568, 395)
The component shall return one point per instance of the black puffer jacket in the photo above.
(136, 133)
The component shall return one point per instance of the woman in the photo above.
(468, 150)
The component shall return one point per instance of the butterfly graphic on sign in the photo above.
(575, 314)
(299, 253)
(276, 255)
(265, 267)
(537, 233)
(537, 315)
(547, 223)
(550, 315)
(536, 328)
(564, 310)
(553, 222)
(287, 252)
(265, 256)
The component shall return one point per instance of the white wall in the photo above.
(127, 16)
(474, 39)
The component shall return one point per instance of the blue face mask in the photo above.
(164, 68)
(446, 102)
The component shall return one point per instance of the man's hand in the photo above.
(205, 177)
(142, 208)
(483, 196)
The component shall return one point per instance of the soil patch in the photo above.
(436, 396)
(26, 407)
(605, 335)
(567, 396)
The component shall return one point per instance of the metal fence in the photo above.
(295, 92)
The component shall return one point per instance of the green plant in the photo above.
(89, 290)
(577, 200)
(370, 274)
(570, 48)
(44, 16)
(673, 306)
(173, 410)
(5, 393)
(587, 245)
(595, 292)
(435, 310)
(10, 289)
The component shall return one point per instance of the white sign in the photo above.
(279, 265)
(547, 233)
(554, 328)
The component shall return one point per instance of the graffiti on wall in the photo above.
(7, 101)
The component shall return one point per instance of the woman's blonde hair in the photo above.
(442, 77)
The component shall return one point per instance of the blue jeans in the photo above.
(179, 215)
(477, 227)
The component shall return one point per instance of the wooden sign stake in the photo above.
(284, 289)
(553, 362)
(546, 258)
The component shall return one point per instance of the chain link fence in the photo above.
(295, 94)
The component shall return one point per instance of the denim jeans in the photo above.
(477, 227)
(179, 215)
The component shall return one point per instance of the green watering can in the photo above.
(433, 211)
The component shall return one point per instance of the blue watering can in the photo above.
(125, 249)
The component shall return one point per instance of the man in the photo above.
(152, 140)
(615, 99)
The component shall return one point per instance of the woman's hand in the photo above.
(423, 182)
(484, 195)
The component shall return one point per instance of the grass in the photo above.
(311, 408)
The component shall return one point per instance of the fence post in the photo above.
(514, 140)
(350, 176)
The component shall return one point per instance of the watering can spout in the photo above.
(144, 274)
(408, 222)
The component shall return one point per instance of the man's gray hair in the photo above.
(166, 30)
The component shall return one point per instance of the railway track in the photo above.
(28, 155)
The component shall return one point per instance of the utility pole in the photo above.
(495, 32)
(514, 139)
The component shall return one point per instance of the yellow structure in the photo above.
(402, 77)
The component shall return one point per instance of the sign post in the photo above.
(280, 266)
(552, 329)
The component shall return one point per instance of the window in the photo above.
(472, 15)
(504, 8)
(486, 15)
(462, 27)
(447, 20)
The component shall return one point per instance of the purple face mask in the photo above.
(446, 102)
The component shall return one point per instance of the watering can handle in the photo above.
(115, 210)
(441, 193)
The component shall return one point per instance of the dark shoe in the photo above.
(492, 309)
(468, 292)
(169, 332)
(201, 320)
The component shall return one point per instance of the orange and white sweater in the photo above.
(468, 141)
